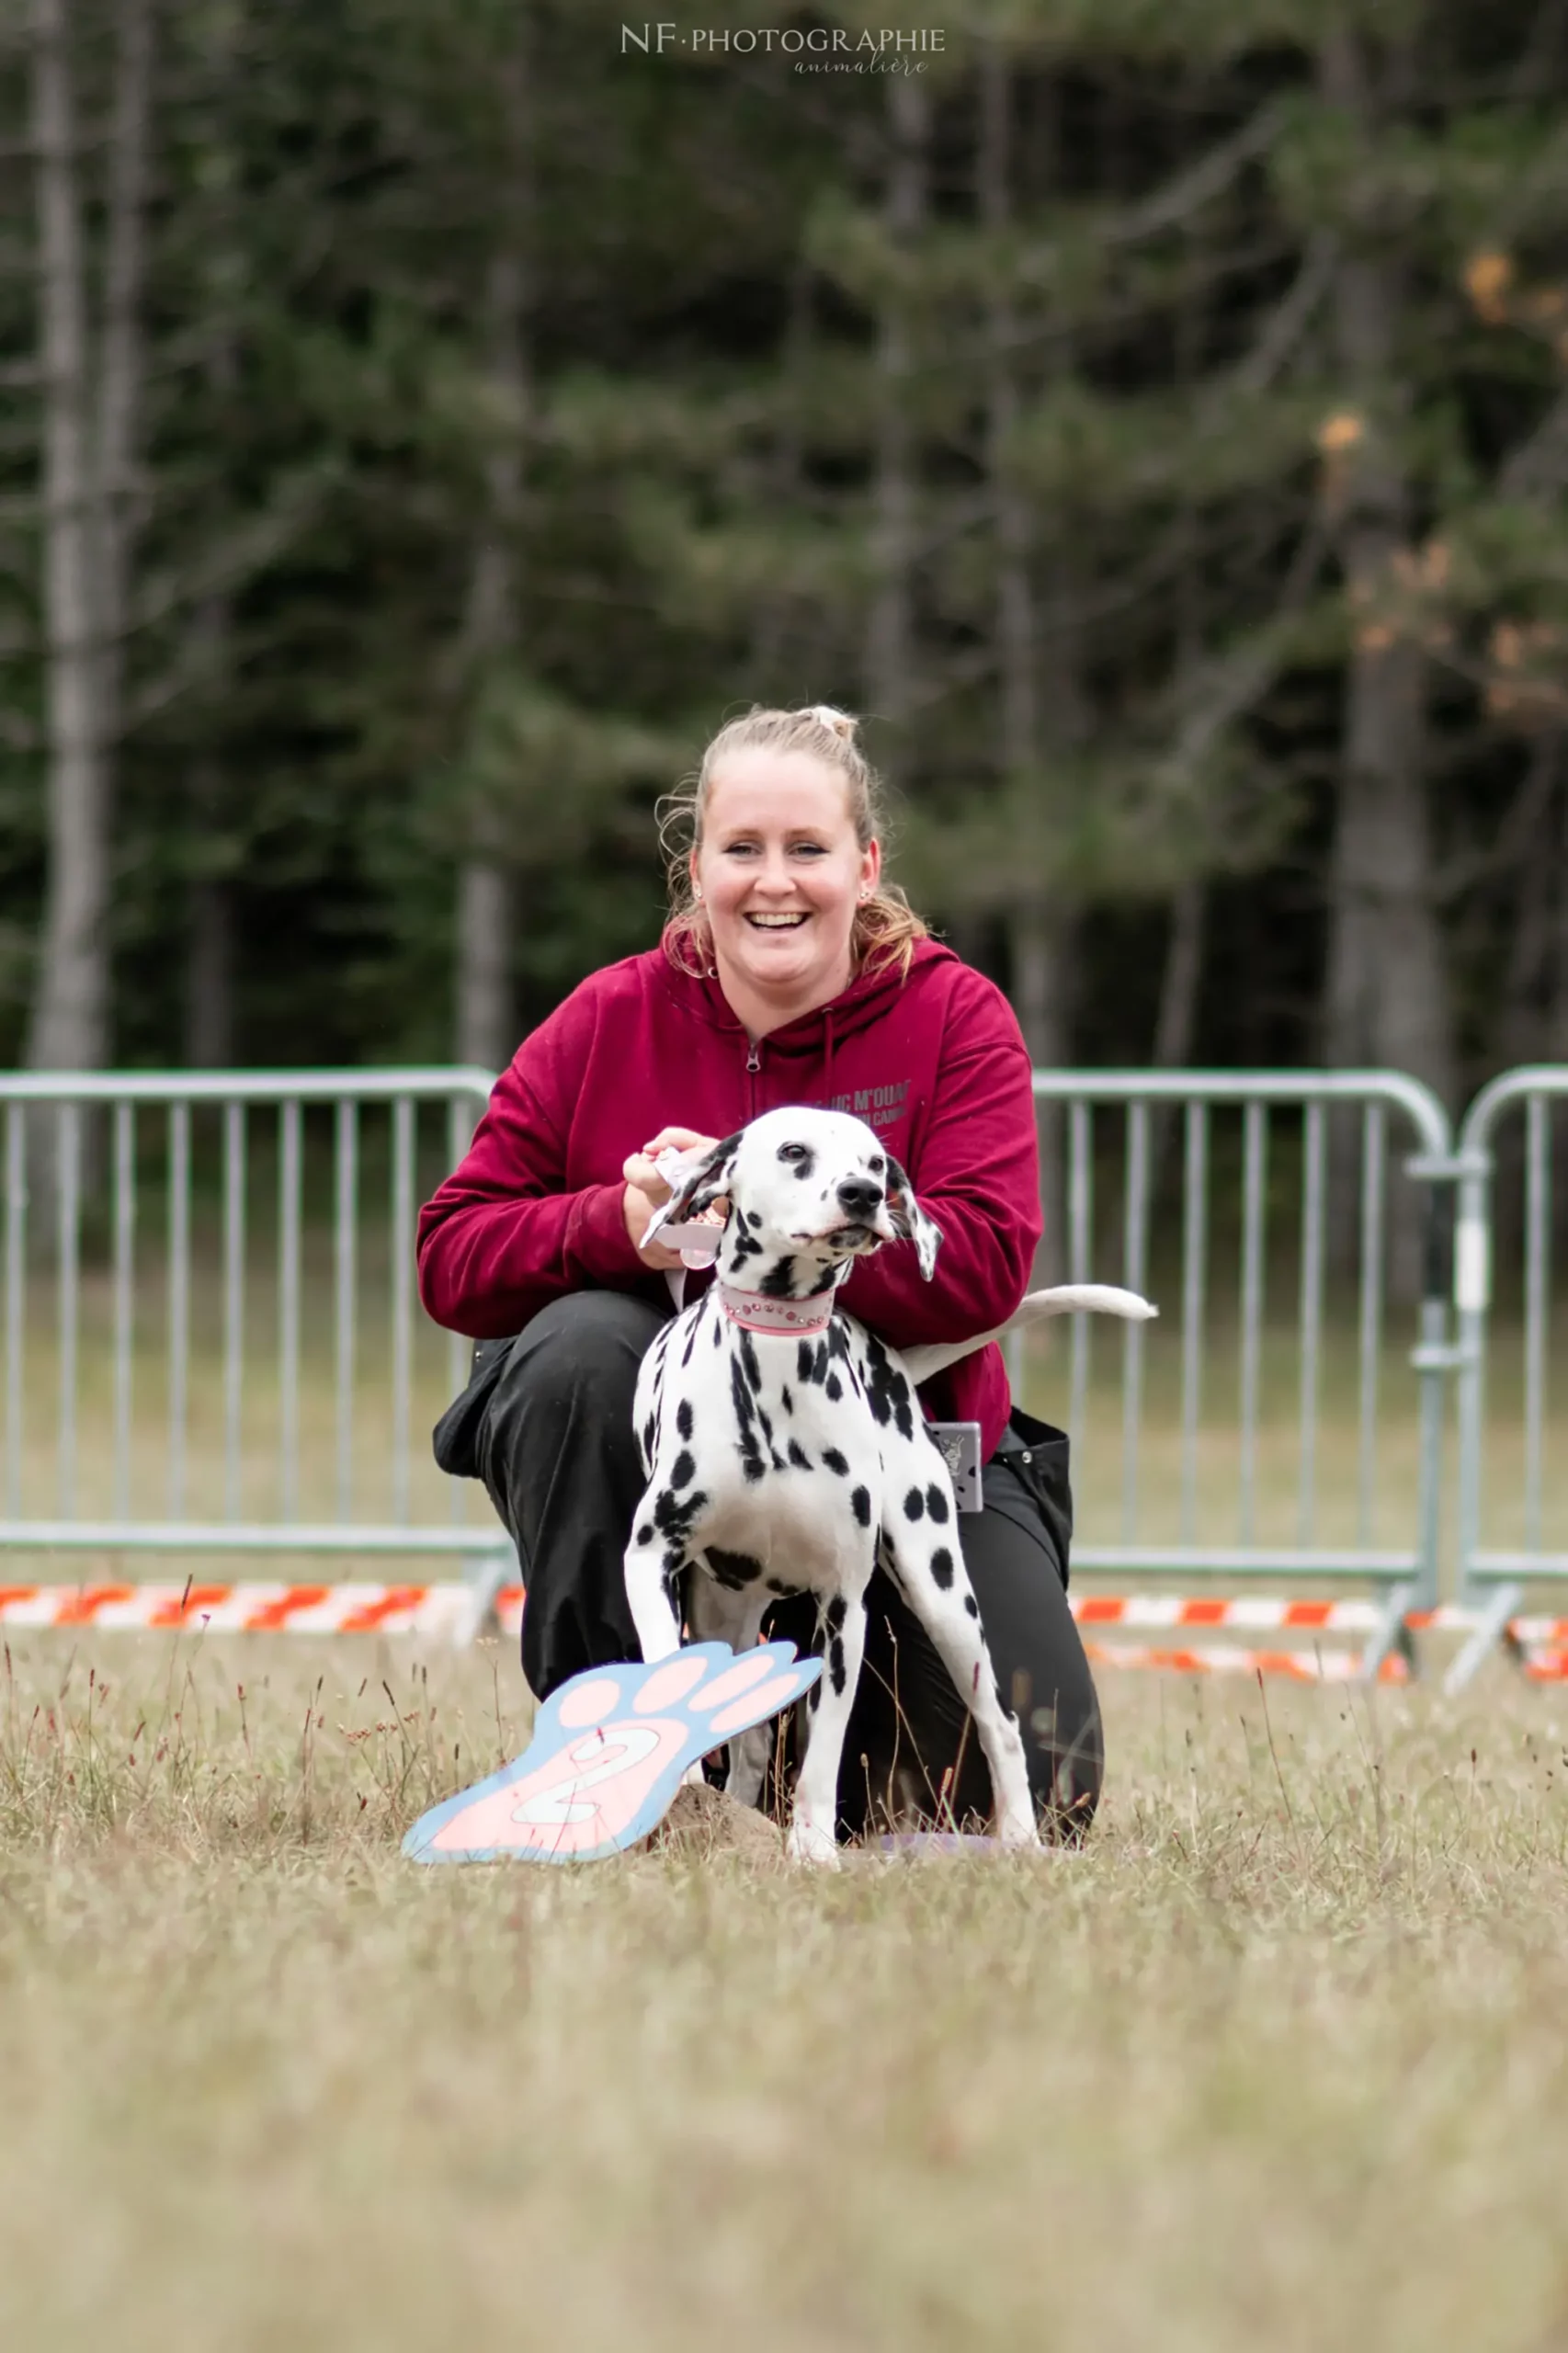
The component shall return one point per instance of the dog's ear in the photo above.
(702, 1185)
(910, 1222)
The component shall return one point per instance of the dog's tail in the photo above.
(1066, 1298)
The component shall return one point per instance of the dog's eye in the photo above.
(791, 1151)
(876, 1163)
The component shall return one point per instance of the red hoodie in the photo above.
(936, 1063)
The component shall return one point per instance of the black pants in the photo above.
(546, 1424)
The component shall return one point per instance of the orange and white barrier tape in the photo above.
(253, 1609)
(1227, 1658)
(1256, 1613)
(439, 1610)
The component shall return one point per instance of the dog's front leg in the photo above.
(648, 1588)
(932, 1579)
(813, 1825)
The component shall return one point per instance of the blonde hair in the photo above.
(886, 926)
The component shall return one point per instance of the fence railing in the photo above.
(212, 1339)
(1349, 1137)
(213, 1343)
(1528, 1544)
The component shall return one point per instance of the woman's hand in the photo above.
(647, 1191)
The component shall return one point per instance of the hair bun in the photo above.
(837, 723)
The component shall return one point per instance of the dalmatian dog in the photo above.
(786, 1451)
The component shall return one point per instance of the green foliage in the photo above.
(1129, 388)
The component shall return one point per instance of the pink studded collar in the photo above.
(799, 1318)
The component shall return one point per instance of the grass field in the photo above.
(1277, 2061)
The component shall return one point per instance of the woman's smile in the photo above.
(780, 874)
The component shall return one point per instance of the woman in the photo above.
(787, 974)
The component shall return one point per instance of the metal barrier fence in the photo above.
(213, 1343)
(263, 1378)
(1256, 1106)
(1492, 1577)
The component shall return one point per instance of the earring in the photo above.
(697, 890)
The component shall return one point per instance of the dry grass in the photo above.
(1277, 2060)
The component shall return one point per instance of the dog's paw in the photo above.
(609, 1750)
(809, 1843)
(1018, 1830)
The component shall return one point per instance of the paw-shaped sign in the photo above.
(608, 1754)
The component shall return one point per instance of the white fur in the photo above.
(742, 1444)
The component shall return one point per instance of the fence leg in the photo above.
(1392, 1634)
(1492, 1628)
(485, 1575)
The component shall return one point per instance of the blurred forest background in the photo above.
(421, 424)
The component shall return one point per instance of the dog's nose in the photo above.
(858, 1197)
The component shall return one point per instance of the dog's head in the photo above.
(814, 1187)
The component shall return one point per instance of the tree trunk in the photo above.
(772, 613)
(209, 971)
(485, 1026)
(1041, 926)
(1385, 1000)
(121, 362)
(69, 1022)
(1039, 941)
(1177, 1022)
(890, 650)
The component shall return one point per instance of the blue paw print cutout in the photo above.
(608, 1754)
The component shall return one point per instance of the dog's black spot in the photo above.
(648, 1431)
(805, 1361)
(937, 1504)
(718, 1336)
(674, 1521)
(860, 1505)
(751, 1219)
(798, 1455)
(765, 1425)
(813, 1696)
(834, 1388)
(745, 1246)
(942, 1568)
(748, 1358)
(887, 1390)
(752, 1463)
(683, 1418)
(735, 1571)
(834, 1460)
(776, 1585)
(836, 1613)
(646, 1533)
(690, 1341)
(785, 1400)
(778, 1282)
(971, 1604)
(806, 1165)
(837, 1341)
(836, 1664)
(914, 1503)
(683, 1469)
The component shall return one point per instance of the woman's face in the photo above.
(781, 875)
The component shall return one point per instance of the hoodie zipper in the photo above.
(754, 1063)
